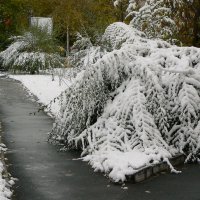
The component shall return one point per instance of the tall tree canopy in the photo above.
(85, 16)
(12, 18)
(167, 19)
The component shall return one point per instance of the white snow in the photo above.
(2, 74)
(5, 192)
(44, 88)
(118, 164)
(5, 186)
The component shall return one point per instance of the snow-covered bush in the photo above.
(31, 52)
(84, 53)
(135, 106)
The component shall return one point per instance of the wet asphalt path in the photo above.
(46, 174)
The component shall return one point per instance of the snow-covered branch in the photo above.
(141, 98)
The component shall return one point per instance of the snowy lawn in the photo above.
(44, 88)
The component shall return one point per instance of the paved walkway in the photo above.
(46, 174)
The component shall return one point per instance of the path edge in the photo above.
(5, 174)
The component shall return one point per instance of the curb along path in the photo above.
(46, 174)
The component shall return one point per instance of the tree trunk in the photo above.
(121, 12)
(196, 27)
(195, 30)
(67, 42)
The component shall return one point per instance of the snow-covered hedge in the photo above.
(30, 53)
(136, 106)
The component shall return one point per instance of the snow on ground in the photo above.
(117, 165)
(5, 186)
(44, 88)
(5, 192)
(2, 74)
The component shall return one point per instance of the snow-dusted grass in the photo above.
(44, 88)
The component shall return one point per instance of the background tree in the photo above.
(189, 23)
(89, 17)
(98, 15)
(121, 6)
(126, 7)
(156, 19)
(167, 19)
(12, 19)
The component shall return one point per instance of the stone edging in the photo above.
(150, 171)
